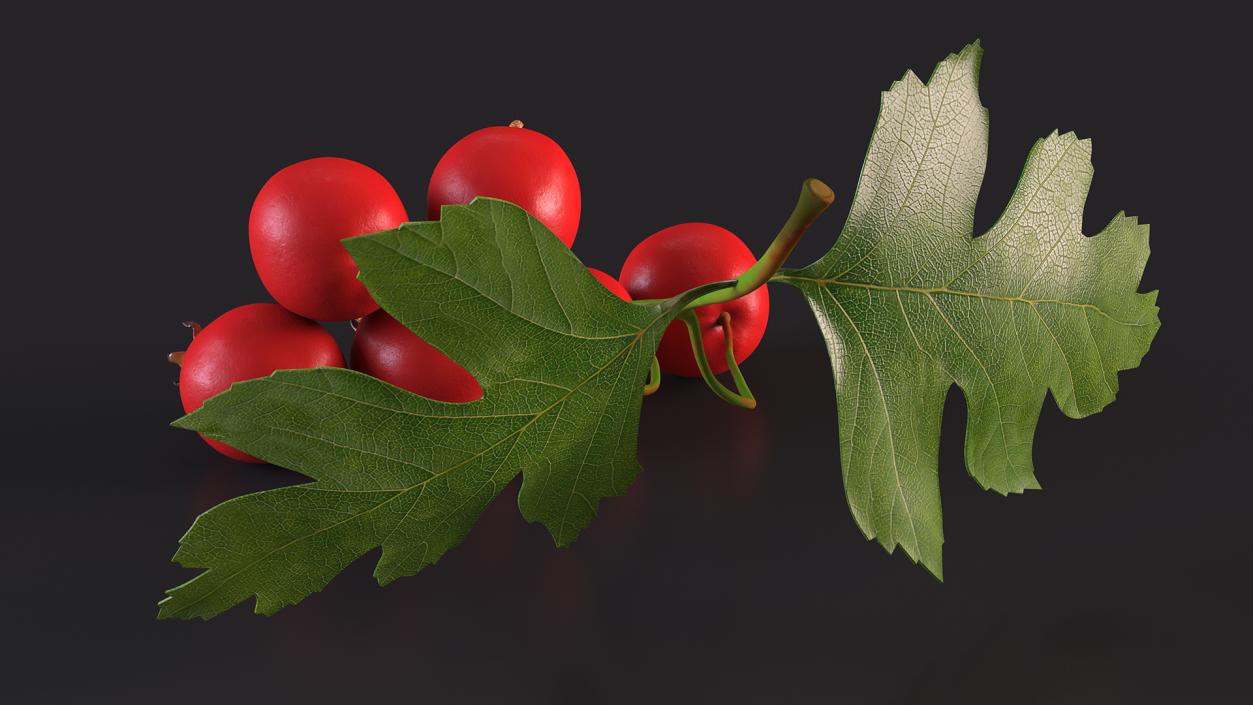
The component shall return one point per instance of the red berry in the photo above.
(610, 283)
(515, 164)
(385, 349)
(245, 343)
(297, 221)
(684, 256)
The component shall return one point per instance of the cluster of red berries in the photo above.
(303, 211)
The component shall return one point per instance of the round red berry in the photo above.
(386, 349)
(514, 164)
(248, 342)
(297, 222)
(684, 256)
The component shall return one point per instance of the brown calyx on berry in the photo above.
(517, 123)
(177, 357)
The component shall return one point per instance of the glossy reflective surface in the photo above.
(733, 571)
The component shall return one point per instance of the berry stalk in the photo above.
(815, 198)
(744, 398)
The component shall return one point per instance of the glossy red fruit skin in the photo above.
(385, 349)
(613, 285)
(515, 164)
(248, 342)
(683, 256)
(297, 221)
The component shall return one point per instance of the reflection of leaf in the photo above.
(910, 303)
(561, 360)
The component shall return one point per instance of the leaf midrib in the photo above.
(931, 291)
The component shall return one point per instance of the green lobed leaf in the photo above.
(562, 363)
(909, 303)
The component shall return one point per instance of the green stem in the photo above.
(706, 373)
(741, 384)
(703, 289)
(814, 199)
(654, 378)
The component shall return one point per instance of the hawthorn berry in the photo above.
(613, 285)
(386, 349)
(515, 164)
(245, 343)
(684, 256)
(297, 221)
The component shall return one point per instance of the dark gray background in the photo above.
(134, 143)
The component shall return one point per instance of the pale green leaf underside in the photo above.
(562, 362)
(909, 303)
